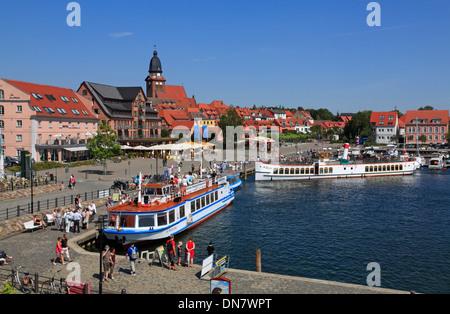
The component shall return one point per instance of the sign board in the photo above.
(207, 265)
(220, 285)
(161, 254)
(116, 197)
(221, 266)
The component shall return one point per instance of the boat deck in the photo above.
(160, 206)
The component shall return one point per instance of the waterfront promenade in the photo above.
(36, 252)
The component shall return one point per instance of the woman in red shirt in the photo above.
(190, 247)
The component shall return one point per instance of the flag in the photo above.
(196, 131)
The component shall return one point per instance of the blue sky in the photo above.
(315, 54)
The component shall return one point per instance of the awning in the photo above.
(76, 149)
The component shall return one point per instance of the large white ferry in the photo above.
(162, 209)
(327, 167)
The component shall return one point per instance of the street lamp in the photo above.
(32, 162)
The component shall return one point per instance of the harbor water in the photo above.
(332, 229)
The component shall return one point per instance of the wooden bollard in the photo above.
(245, 171)
(258, 260)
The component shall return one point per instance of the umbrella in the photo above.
(140, 148)
(125, 147)
(59, 135)
(88, 133)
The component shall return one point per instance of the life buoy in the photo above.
(184, 191)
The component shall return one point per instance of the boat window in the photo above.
(159, 191)
(320, 170)
(311, 171)
(331, 170)
(367, 169)
(302, 170)
(326, 170)
(275, 171)
(217, 195)
(212, 197)
(172, 216)
(292, 170)
(127, 221)
(388, 168)
(396, 167)
(375, 168)
(162, 219)
(379, 168)
(401, 167)
(297, 171)
(281, 171)
(112, 220)
(207, 199)
(149, 191)
(182, 213)
(192, 206)
(384, 168)
(197, 205)
(203, 201)
(371, 169)
(146, 220)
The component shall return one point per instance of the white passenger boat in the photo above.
(327, 167)
(162, 209)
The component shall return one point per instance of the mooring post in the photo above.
(245, 171)
(258, 260)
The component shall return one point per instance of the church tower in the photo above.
(155, 81)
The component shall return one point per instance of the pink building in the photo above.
(52, 123)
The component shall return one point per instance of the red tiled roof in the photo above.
(376, 118)
(428, 115)
(57, 107)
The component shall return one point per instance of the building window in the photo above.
(18, 138)
(2, 110)
(19, 123)
(2, 94)
(19, 109)
(2, 124)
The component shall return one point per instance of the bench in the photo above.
(29, 225)
(50, 219)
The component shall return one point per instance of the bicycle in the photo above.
(49, 286)
(25, 286)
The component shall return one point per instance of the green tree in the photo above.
(427, 108)
(103, 146)
(231, 118)
(359, 125)
(165, 133)
(423, 138)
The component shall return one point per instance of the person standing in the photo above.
(170, 245)
(65, 247)
(113, 262)
(190, 247)
(106, 259)
(72, 181)
(179, 249)
(133, 255)
(58, 251)
(210, 249)
(76, 221)
(67, 221)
